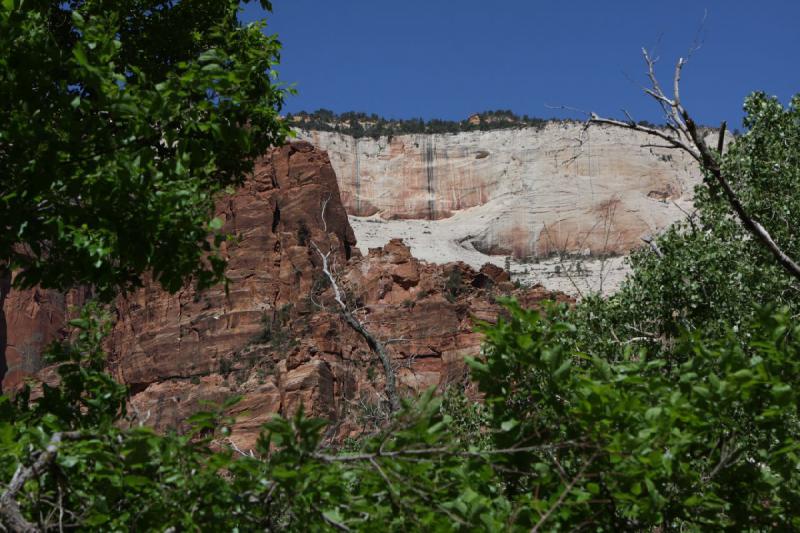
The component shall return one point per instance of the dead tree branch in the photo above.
(448, 452)
(563, 494)
(653, 245)
(10, 513)
(560, 253)
(682, 133)
(375, 345)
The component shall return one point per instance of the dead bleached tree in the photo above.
(11, 517)
(375, 345)
(682, 133)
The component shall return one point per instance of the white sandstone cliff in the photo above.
(537, 194)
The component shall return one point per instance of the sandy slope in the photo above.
(447, 240)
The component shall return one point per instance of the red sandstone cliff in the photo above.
(29, 321)
(274, 338)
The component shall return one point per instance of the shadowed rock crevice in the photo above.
(5, 286)
(430, 155)
(276, 218)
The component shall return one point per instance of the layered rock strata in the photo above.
(530, 194)
(274, 336)
(30, 319)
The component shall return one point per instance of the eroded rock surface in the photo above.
(30, 319)
(276, 337)
(560, 205)
(538, 191)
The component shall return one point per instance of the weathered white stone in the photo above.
(526, 192)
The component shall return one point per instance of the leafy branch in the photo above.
(681, 132)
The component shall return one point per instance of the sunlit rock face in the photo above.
(30, 319)
(276, 337)
(525, 192)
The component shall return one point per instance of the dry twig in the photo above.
(10, 513)
(375, 345)
(682, 133)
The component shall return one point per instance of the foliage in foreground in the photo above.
(119, 122)
(705, 436)
(672, 405)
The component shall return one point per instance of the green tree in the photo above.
(119, 122)
(702, 434)
(672, 405)
(666, 404)
(716, 269)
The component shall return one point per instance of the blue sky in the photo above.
(448, 59)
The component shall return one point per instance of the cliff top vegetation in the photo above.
(360, 124)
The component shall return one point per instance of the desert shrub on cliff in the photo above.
(362, 125)
(454, 285)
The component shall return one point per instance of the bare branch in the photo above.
(689, 216)
(10, 513)
(677, 143)
(374, 344)
(727, 452)
(677, 84)
(561, 260)
(389, 485)
(721, 139)
(563, 494)
(568, 108)
(699, 36)
(653, 245)
(628, 116)
(445, 451)
(330, 521)
(664, 146)
(324, 220)
(683, 133)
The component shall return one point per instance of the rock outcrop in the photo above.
(562, 187)
(534, 195)
(30, 319)
(273, 335)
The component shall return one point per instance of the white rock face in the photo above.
(534, 194)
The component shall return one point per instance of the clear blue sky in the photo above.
(448, 59)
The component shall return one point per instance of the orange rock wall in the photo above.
(274, 337)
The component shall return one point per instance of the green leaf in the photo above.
(96, 519)
(215, 224)
(80, 55)
(652, 413)
(508, 425)
(566, 365)
(136, 481)
(781, 392)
